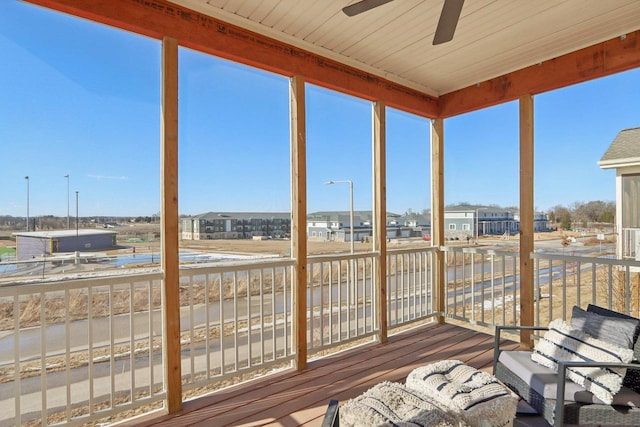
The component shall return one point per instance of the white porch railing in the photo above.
(76, 351)
(340, 299)
(342, 295)
(562, 281)
(483, 286)
(410, 280)
(235, 317)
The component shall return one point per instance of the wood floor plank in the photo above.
(346, 381)
(296, 398)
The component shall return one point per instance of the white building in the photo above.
(623, 155)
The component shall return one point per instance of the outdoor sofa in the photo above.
(539, 385)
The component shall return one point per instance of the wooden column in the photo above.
(299, 215)
(169, 224)
(380, 214)
(437, 214)
(526, 217)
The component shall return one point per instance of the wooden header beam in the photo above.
(610, 57)
(159, 18)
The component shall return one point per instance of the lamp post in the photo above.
(350, 182)
(77, 223)
(27, 178)
(68, 221)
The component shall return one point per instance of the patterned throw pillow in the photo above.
(632, 379)
(563, 343)
(618, 331)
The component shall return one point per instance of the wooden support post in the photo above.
(526, 217)
(169, 223)
(437, 214)
(299, 215)
(380, 214)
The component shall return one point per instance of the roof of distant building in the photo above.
(63, 233)
(623, 151)
(242, 215)
(335, 215)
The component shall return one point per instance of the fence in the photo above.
(483, 286)
(80, 350)
(77, 350)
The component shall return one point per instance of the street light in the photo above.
(347, 181)
(68, 222)
(77, 223)
(27, 178)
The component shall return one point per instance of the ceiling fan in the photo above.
(446, 24)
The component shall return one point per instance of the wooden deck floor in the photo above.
(292, 398)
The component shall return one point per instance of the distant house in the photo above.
(34, 244)
(236, 225)
(335, 225)
(473, 221)
(540, 221)
(623, 155)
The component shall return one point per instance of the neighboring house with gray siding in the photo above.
(473, 221)
(335, 225)
(623, 155)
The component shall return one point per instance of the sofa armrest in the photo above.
(499, 329)
(562, 373)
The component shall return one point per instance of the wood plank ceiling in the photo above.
(394, 41)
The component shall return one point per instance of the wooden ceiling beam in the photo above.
(159, 18)
(600, 60)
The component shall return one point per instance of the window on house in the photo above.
(452, 226)
(630, 200)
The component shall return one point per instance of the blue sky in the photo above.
(82, 99)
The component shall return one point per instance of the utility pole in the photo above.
(27, 178)
(68, 218)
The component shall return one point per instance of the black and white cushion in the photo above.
(632, 379)
(563, 343)
(615, 330)
(477, 396)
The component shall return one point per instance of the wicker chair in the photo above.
(559, 412)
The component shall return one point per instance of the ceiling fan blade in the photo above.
(363, 6)
(448, 21)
